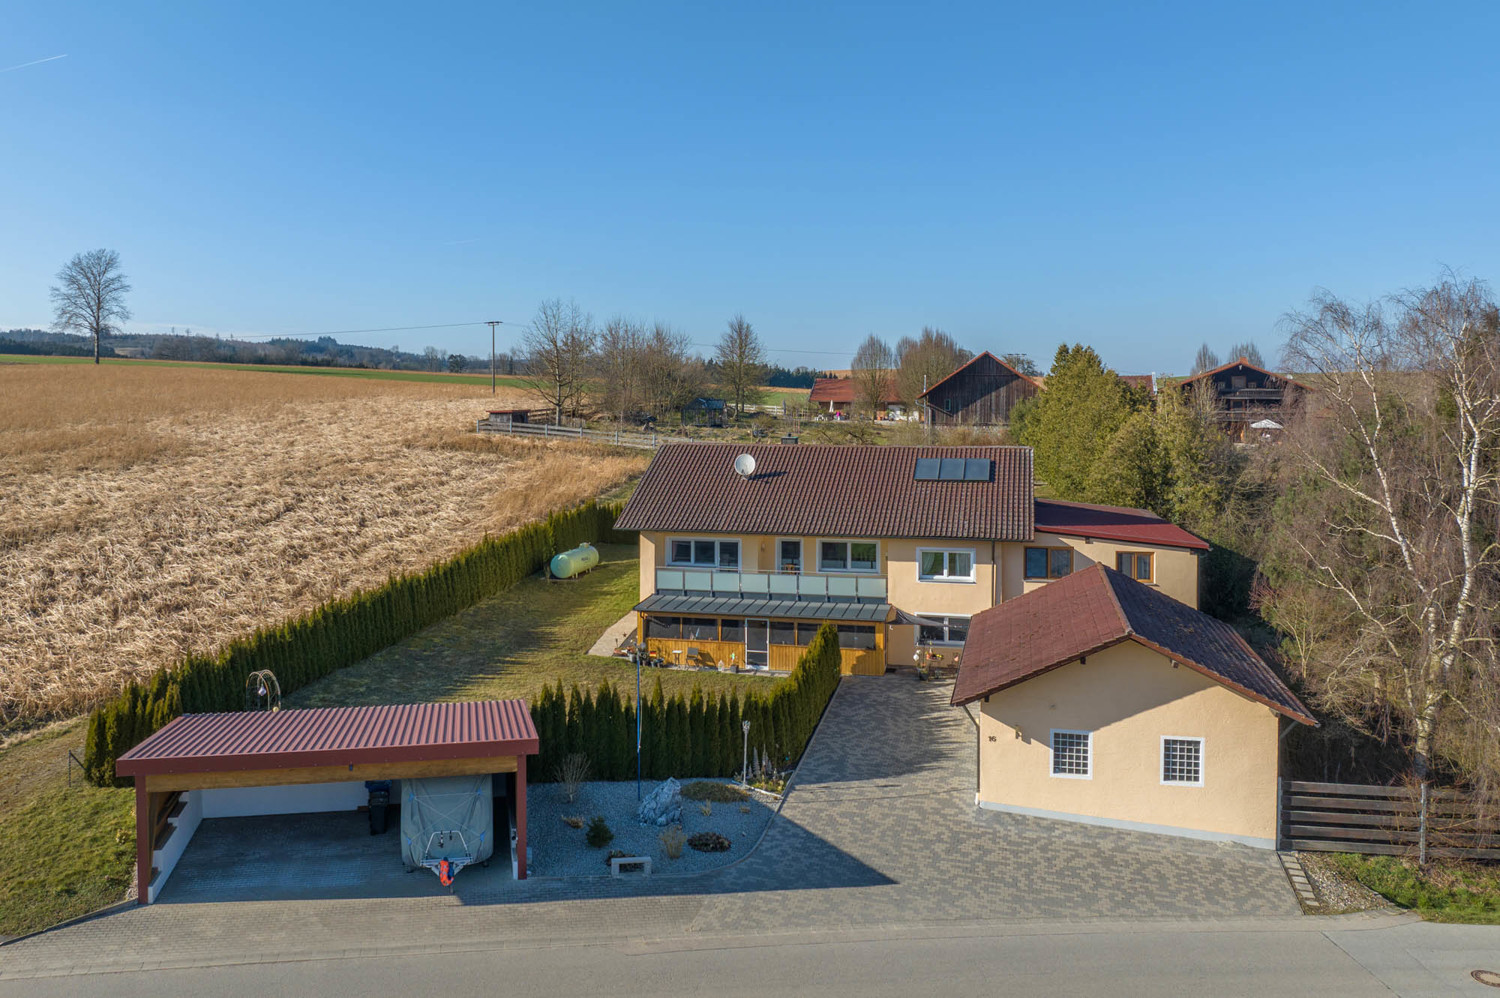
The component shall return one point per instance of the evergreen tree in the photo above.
(1070, 424)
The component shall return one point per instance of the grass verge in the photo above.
(1444, 892)
(64, 851)
(514, 642)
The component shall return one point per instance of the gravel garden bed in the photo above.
(558, 850)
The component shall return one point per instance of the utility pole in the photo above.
(492, 324)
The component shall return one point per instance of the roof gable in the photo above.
(831, 491)
(1097, 608)
(983, 356)
(1116, 523)
(1238, 362)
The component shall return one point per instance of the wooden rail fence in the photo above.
(1386, 821)
(615, 438)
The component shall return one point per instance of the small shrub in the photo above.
(672, 841)
(613, 855)
(706, 809)
(744, 809)
(573, 820)
(709, 842)
(599, 834)
(719, 793)
(571, 774)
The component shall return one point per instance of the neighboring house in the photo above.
(898, 546)
(1245, 395)
(838, 395)
(980, 393)
(1103, 700)
(1143, 382)
(703, 412)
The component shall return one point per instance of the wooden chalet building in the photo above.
(980, 393)
(1245, 395)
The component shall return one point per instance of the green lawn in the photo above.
(1444, 892)
(511, 644)
(64, 851)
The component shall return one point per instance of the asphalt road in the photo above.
(1272, 959)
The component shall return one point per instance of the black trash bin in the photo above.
(380, 800)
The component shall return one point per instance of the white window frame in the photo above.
(947, 629)
(801, 556)
(846, 541)
(1161, 761)
(716, 541)
(1052, 754)
(957, 579)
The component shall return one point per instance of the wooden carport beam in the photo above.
(217, 780)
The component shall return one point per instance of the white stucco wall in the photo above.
(238, 802)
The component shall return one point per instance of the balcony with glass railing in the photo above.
(771, 585)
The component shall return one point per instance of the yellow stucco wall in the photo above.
(1130, 697)
(1176, 568)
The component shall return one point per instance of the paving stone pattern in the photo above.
(879, 830)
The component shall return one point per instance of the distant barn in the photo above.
(980, 393)
(703, 412)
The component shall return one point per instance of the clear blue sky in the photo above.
(1140, 177)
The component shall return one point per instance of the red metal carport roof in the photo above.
(334, 736)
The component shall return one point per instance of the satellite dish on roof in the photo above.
(744, 465)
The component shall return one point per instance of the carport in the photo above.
(304, 761)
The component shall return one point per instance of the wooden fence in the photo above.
(615, 438)
(1386, 821)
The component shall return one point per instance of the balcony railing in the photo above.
(772, 585)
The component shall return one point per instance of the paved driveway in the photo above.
(880, 830)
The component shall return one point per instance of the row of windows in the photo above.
(776, 632)
(933, 564)
(1054, 563)
(1181, 758)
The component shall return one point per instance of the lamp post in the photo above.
(636, 654)
(745, 757)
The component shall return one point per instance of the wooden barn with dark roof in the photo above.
(980, 393)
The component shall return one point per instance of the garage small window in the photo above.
(1072, 754)
(1182, 761)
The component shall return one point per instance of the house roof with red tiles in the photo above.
(1097, 608)
(1112, 523)
(842, 390)
(835, 491)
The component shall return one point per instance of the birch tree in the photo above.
(1384, 566)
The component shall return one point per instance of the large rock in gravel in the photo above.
(664, 806)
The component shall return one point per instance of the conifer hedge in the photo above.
(693, 736)
(337, 634)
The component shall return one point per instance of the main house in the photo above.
(898, 547)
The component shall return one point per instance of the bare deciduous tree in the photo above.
(559, 345)
(621, 362)
(1384, 567)
(1247, 350)
(1205, 360)
(90, 295)
(742, 362)
(924, 361)
(671, 375)
(873, 371)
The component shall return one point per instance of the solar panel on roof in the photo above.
(927, 469)
(952, 469)
(977, 469)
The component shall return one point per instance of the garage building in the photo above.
(300, 761)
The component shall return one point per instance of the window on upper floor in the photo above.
(1136, 564)
(848, 556)
(704, 552)
(945, 564)
(943, 631)
(1048, 563)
